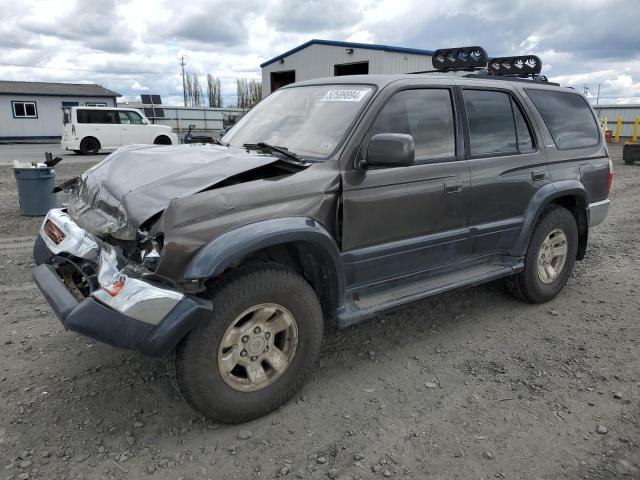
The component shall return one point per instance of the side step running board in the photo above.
(371, 303)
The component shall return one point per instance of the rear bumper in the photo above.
(598, 212)
(70, 144)
(141, 315)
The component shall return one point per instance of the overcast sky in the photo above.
(133, 46)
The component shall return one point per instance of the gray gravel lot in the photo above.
(471, 384)
(30, 152)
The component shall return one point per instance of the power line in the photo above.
(86, 50)
(84, 70)
(108, 72)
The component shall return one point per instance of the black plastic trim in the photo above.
(41, 253)
(97, 321)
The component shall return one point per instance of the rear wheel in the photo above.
(257, 348)
(89, 146)
(549, 259)
(162, 140)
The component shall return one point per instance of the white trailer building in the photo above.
(32, 111)
(326, 58)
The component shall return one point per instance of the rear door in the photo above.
(507, 167)
(402, 220)
(574, 145)
(101, 124)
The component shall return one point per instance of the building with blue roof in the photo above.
(327, 58)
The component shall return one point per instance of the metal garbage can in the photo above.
(35, 189)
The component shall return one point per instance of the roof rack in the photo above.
(512, 78)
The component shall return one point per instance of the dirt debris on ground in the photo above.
(471, 384)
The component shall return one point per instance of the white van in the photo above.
(91, 129)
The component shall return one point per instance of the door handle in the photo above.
(453, 187)
(538, 174)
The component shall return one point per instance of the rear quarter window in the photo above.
(97, 116)
(568, 118)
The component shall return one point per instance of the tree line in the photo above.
(248, 92)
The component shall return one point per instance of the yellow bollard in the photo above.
(618, 129)
(634, 134)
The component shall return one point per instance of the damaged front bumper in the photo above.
(122, 309)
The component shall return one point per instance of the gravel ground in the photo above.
(471, 384)
(35, 151)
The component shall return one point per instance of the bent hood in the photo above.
(136, 182)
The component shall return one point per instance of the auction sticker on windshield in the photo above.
(344, 95)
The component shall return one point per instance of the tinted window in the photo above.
(568, 118)
(424, 114)
(97, 116)
(525, 138)
(491, 125)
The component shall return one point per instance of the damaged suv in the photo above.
(331, 201)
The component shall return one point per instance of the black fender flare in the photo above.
(543, 197)
(231, 247)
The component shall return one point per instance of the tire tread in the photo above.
(227, 292)
(516, 285)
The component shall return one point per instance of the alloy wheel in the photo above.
(552, 256)
(257, 347)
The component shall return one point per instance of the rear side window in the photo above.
(497, 125)
(97, 116)
(525, 138)
(568, 118)
(426, 115)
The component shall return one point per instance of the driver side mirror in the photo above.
(389, 150)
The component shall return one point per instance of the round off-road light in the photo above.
(464, 58)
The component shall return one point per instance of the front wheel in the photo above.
(549, 259)
(257, 348)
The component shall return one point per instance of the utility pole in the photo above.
(598, 97)
(585, 89)
(184, 87)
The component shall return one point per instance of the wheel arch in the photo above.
(301, 243)
(162, 136)
(569, 194)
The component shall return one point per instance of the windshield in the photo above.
(310, 121)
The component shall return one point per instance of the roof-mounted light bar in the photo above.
(525, 65)
(465, 58)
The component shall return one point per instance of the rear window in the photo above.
(97, 116)
(568, 118)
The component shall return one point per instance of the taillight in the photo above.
(610, 176)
